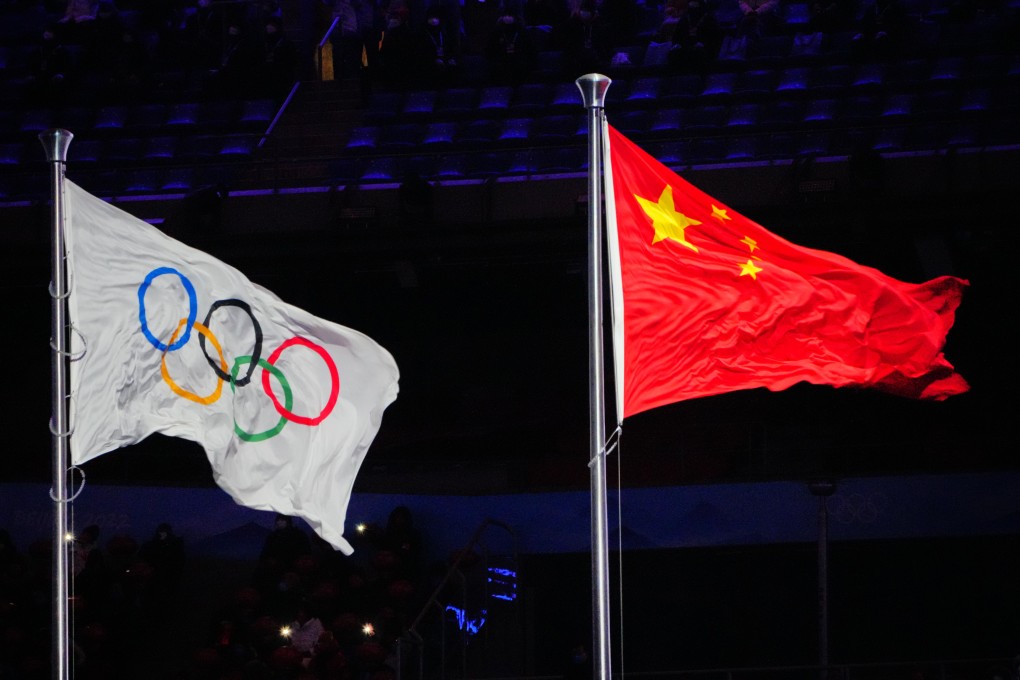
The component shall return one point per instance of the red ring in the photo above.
(333, 374)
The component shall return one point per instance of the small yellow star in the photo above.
(750, 243)
(667, 222)
(720, 213)
(749, 269)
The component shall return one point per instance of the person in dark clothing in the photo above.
(278, 59)
(164, 553)
(510, 52)
(49, 69)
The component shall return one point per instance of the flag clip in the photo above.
(73, 468)
(77, 356)
(612, 443)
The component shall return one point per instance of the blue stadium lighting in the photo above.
(503, 583)
(470, 626)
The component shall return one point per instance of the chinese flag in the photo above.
(707, 301)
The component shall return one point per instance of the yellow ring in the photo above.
(219, 381)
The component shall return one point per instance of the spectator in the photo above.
(237, 67)
(79, 12)
(204, 28)
(758, 18)
(278, 67)
(830, 16)
(480, 19)
(510, 55)
(397, 54)
(585, 39)
(688, 37)
(305, 630)
(164, 553)
(356, 40)
(552, 14)
(620, 17)
(283, 546)
(131, 67)
(91, 575)
(440, 46)
(881, 29)
(403, 540)
(49, 69)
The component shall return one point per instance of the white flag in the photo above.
(285, 404)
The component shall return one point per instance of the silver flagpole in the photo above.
(593, 88)
(56, 143)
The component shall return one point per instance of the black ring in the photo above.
(256, 351)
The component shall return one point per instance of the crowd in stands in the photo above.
(99, 51)
(304, 611)
(434, 42)
(78, 56)
(123, 49)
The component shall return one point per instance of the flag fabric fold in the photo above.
(285, 404)
(707, 301)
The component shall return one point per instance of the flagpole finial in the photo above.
(593, 88)
(56, 142)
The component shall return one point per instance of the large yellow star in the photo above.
(667, 222)
(749, 269)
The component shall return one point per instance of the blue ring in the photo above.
(192, 309)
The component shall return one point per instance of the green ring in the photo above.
(288, 399)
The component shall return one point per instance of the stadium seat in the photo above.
(380, 170)
(111, 117)
(495, 98)
(632, 122)
(515, 129)
(566, 97)
(400, 135)
(782, 114)
(793, 81)
(479, 132)
(257, 112)
(36, 120)
(531, 98)
(718, 87)
(553, 129)
(363, 138)
(384, 106)
(666, 120)
(455, 102)
(743, 116)
(238, 147)
(439, 134)
(146, 116)
(420, 103)
(757, 84)
(182, 116)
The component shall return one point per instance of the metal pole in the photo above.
(56, 142)
(593, 88)
(822, 489)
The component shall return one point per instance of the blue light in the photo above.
(503, 583)
(470, 626)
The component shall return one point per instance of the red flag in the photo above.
(707, 301)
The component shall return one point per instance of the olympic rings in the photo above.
(219, 363)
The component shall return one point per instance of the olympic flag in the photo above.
(285, 404)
